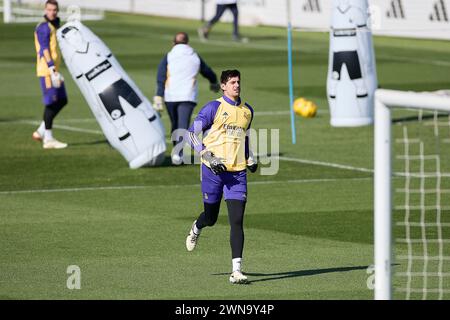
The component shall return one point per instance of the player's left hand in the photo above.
(252, 163)
(252, 167)
(56, 78)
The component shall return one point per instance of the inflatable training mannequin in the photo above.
(352, 78)
(125, 115)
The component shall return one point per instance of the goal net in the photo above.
(27, 11)
(412, 195)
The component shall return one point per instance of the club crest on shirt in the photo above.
(225, 115)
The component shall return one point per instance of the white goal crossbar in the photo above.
(27, 12)
(384, 101)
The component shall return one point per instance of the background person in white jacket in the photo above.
(177, 86)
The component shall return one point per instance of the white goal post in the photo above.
(28, 11)
(383, 242)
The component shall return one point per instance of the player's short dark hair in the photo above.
(181, 38)
(53, 2)
(227, 74)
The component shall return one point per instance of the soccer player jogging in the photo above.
(225, 156)
(51, 81)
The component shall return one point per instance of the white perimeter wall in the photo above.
(409, 18)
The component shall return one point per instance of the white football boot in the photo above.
(203, 34)
(177, 160)
(238, 278)
(54, 144)
(192, 238)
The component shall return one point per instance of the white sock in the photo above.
(48, 135)
(41, 129)
(237, 262)
(196, 230)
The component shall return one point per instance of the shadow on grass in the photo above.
(88, 143)
(293, 274)
(13, 120)
(168, 163)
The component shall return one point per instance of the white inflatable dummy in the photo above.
(352, 78)
(125, 115)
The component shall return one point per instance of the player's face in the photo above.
(51, 11)
(232, 88)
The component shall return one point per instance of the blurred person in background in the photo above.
(177, 87)
(221, 7)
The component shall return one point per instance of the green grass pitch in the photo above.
(308, 229)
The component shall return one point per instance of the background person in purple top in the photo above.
(225, 157)
(47, 69)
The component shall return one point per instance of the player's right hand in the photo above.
(158, 103)
(215, 163)
(56, 77)
(214, 87)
